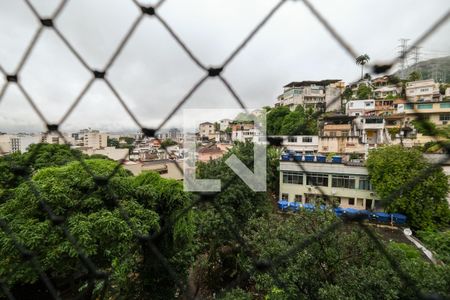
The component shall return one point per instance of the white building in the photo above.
(315, 182)
(321, 95)
(224, 124)
(91, 139)
(422, 91)
(10, 143)
(360, 107)
(385, 91)
(305, 144)
(111, 152)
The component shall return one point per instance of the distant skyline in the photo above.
(153, 73)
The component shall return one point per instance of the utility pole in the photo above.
(416, 56)
(402, 55)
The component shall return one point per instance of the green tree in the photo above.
(414, 75)
(348, 93)
(420, 188)
(275, 119)
(331, 267)
(100, 228)
(438, 242)
(364, 92)
(362, 60)
(113, 142)
(393, 79)
(168, 142)
(226, 214)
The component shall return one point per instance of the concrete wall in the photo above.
(361, 197)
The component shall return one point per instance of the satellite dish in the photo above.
(407, 231)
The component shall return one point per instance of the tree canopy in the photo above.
(409, 184)
(282, 121)
(94, 217)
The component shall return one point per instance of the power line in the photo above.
(402, 55)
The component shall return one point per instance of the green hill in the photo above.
(437, 68)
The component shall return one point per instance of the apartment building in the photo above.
(207, 130)
(245, 132)
(224, 124)
(360, 107)
(305, 144)
(89, 138)
(317, 182)
(438, 112)
(422, 91)
(320, 95)
(387, 91)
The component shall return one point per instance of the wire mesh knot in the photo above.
(47, 22)
(99, 74)
(377, 69)
(52, 127)
(148, 10)
(148, 132)
(213, 72)
(12, 78)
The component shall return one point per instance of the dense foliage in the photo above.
(342, 264)
(438, 242)
(95, 216)
(282, 121)
(167, 143)
(212, 248)
(408, 184)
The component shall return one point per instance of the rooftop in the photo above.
(311, 82)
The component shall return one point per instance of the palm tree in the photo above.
(362, 60)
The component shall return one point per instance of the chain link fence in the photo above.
(147, 241)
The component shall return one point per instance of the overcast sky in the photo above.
(153, 73)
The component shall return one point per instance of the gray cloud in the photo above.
(153, 73)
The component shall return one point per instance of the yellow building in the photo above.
(438, 112)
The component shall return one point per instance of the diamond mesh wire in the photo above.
(148, 241)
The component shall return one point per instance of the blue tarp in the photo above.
(351, 211)
(399, 218)
(309, 157)
(283, 204)
(295, 206)
(382, 217)
(308, 206)
(298, 157)
(321, 159)
(336, 159)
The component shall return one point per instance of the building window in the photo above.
(293, 177)
(425, 106)
(343, 181)
(351, 201)
(377, 204)
(292, 139)
(298, 198)
(364, 183)
(368, 104)
(317, 179)
(285, 197)
(444, 117)
(360, 202)
(307, 139)
(445, 105)
(409, 106)
(424, 90)
(374, 121)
